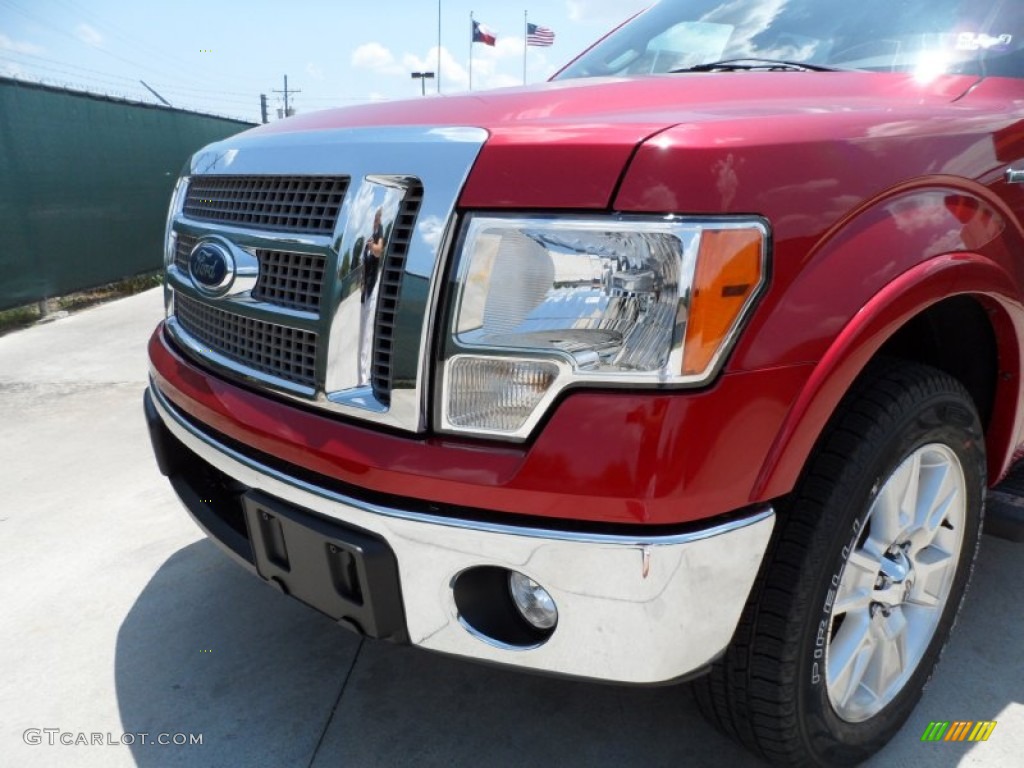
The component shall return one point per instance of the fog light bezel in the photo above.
(486, 609)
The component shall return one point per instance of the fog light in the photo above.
(533, 601)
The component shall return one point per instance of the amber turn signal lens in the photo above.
(729, 271)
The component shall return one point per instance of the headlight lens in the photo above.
(545, 302)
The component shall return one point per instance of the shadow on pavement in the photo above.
(209, 649)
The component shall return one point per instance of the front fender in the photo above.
(877, 321)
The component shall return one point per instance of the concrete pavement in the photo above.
(117, 617)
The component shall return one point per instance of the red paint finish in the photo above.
(860, 340)
(564, 145)
(884, 194)
(870, 202)
(603, 457)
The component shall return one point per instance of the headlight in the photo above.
(544, 303)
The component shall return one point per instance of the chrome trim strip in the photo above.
(169, 411)
(496, 643)
(244, 305)
(632, 608)
(370, 207)
(254, 238)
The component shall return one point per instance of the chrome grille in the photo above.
(293, 280)
(382, 371)
(307, 204)
(288, 353)
(183, 245)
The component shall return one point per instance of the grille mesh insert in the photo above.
(183, 246)
(293, 280)
(288, 353)
(308, 204)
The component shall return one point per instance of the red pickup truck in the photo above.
(694, 362)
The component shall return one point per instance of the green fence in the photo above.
(84, 186)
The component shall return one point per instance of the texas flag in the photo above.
(482, 34)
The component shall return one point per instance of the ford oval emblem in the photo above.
(212, 268)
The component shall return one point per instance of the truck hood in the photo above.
(566, 144)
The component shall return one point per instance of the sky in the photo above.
(218, 56)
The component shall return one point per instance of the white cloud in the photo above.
(605, 12)
(314, 71)
(500, 80)
(454, 76)
(431, 228)
(89, 35)
(375, 57)
(493, 67)
(18, 46)
(507, 47)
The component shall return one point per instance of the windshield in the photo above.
(926, 37)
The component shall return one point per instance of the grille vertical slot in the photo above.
(382, 370)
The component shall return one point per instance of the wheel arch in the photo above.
(903, 320)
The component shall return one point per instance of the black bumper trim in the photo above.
(344, 572)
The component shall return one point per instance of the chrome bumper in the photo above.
(632, 609)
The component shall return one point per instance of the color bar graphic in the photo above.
(958, 730)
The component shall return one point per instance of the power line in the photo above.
(130, 98)
(183, 97)
(217, 91)
(65, 33)
(126, 38)
(133, 94)
(105, 82)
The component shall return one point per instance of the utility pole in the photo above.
(263, 107)
(287, 110)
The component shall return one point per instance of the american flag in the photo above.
(541, 36)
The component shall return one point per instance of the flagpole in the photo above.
(471, 29)
(439, 47)
(526, 32)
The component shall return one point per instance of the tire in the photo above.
(855, 600)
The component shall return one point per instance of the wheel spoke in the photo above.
(854, 592)
(942, 498)
(850, 656)
(894, 507)
(934, 569)
(888, 661)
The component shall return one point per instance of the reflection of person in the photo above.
(373, 251)
(371, 257)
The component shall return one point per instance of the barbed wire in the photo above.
(44, 68)
(130, 98)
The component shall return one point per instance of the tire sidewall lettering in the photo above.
(821, 635)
